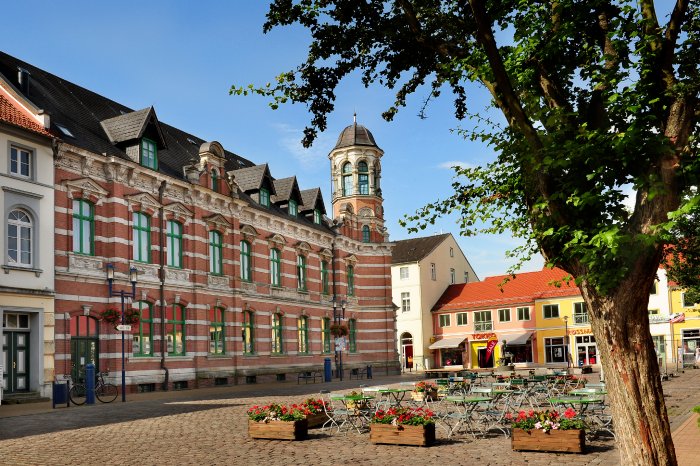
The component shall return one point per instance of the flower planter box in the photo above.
(421, 436)
(279, 430)
(421, 396)
(567, 441)
(316, 420)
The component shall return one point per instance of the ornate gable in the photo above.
(143, 202)
(85, 188)
(217, 221)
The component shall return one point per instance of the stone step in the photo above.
(23, 397)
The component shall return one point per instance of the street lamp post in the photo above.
(133, 278)
(566, 341)
(338, 316)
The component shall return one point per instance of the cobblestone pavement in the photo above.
(209, 426)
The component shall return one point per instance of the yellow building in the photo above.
(685, 321)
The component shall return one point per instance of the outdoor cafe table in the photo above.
(573, 402)
(463, 415)
(587, 393)
(356, 416)
(394, 396)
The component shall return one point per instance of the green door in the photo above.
(15, 352)
(84, 345)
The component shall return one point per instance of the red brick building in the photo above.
(238, 272)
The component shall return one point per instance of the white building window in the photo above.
(462, 318)
(523, 313)
(433, 275)
(554, 350)
(405, 302)
(403, 273)
(452, 277)
(444, 320)
(20, 162)
(452, 252)
(504, 315)
(550, 311)
(19, 238)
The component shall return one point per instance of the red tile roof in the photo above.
(524, 288)
(9, 113)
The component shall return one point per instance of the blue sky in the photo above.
(182, 57)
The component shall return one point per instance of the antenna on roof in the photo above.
(354, 117)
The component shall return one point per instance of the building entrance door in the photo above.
(84, 345)
(15, 352)
(586, 350)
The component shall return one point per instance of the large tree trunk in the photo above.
(620, 324)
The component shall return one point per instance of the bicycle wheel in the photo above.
(106, 393)
(77, 394)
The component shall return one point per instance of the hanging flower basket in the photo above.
(338, 330)
(114, 316)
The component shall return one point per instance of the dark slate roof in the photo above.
(415, 249)
(312, 199)
(286, 189)
(251, 179)
(131, 126)
(355, 135)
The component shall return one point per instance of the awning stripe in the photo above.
(517, 338)
(452, 342)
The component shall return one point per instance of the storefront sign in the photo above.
(490, 345)
(484, 336)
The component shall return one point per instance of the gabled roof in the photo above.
(415, 249)
(131, 126)
(524, 288)
(9, 113)
(251, 178)
(286, 189)
(312, 199)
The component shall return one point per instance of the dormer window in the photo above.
(264, 197)
(293, 208)
(317, 216)
(149, 154)
(214, 180)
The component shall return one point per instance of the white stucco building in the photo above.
(421, 270)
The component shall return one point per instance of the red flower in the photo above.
(570, 413)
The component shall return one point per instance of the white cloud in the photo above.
(311, 158)
(455, 163)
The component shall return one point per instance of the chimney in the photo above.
(23, 80)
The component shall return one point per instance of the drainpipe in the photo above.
(161, 273)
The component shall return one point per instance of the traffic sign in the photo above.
(124, 328)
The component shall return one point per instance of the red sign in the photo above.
(490, 345)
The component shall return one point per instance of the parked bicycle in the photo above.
(105, 392)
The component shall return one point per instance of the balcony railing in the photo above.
(580, 319)
(483, 326)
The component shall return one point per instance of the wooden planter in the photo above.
(421, 396)
(567, 441)
(279, 430)
(420, 436)
(316, 420)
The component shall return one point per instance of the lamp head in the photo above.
(133, 275)
(110, 272)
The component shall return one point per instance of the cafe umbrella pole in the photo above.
(133, 278)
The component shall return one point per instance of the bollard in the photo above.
(369, 372)
(90, 383)
(327, 373)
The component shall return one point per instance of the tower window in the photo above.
(363, 177)
(347, 179)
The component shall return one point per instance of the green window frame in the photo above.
(352, 336)
(215, 259)
(277, 341)
(275, 268)
(363, 178)
(217, 336)
(303, 335)
(83, 227)
(142, 237)
(325, 283)
(173, 240)
(351, 280)
(149, 154)
(293, 208)
(326, 334)
(175, 330)
(301, 273)
(264, 197)
(347, 179)
(550, 311)
(365, 234)
(246, 266)
(214, 180)
(248, 332)
(317, 216)
(142, 345)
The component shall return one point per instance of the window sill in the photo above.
(9, 268)
(218, 356)
(250, 355)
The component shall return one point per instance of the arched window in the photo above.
(214, 180)
(352, 335)
(173, 234)
(143, 336)
(19, 238)
(277, 341)
(326, 334)
(347, 179)
(246, 269)
(363, 177)
(275, 272)
(215, 260)
(175, 330)
(365, 234)
(303, 335)
(217, 338)
(248, 332)
(142, 237)
(83, 227)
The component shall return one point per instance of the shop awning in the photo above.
(451, 342)
(517, 338)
